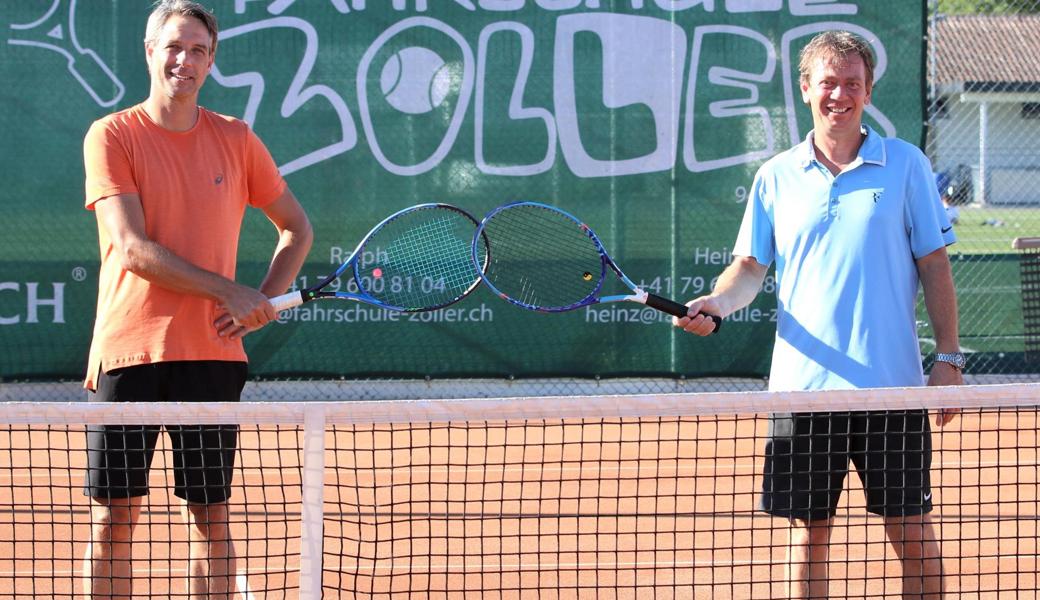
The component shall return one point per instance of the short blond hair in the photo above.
(164, 9)
(836, 45)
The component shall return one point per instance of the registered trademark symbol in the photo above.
(79, 274)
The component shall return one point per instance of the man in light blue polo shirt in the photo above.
(854, 223)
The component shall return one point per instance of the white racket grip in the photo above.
(287, 301)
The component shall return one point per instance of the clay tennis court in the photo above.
(608, 509)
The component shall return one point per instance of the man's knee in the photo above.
(811, 533)
(111, 523)
(209, 521)
(913, 538)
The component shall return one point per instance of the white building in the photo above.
(984, 88)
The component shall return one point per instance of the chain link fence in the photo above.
(983, 119)
(982, 90)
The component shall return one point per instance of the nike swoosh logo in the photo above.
(947, 229)
(927, 497)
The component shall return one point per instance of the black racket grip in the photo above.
(677, 310)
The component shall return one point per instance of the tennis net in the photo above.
(558, 497)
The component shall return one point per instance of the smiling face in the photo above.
(179, 58)
(837, 90)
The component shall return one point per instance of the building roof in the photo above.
(988, 51)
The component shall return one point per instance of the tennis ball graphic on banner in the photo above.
(415, 80)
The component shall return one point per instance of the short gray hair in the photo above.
(164, 9)
(836, 45)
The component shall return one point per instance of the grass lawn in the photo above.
(990, 230)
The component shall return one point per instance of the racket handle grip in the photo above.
(677, 310)
(287, 301)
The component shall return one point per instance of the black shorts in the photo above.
(807, 457)
(119, 456)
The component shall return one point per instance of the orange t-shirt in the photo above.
(194, 187)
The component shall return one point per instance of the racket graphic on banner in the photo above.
(417, 259)
(545, 259)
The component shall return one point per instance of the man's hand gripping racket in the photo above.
(545, 259)
(418, 259)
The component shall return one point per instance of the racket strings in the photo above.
(421, 260)
(542, 258)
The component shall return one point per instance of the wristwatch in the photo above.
(954, 358)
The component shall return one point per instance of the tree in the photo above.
(966, 7)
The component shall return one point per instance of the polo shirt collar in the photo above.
(871, 151)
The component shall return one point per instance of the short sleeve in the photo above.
(106, 163)
(265, 183)
(929, 225)
(756, 238)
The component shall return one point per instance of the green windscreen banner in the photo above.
(647, 119)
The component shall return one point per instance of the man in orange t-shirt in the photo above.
(169, 182)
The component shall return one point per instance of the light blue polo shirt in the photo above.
(845, 248)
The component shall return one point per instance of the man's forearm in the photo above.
(739, 284)
(157, 264)
(287, 261)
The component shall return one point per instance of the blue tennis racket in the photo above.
(417, 259)
(545, 259)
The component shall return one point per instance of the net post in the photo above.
(1026, 243)
(312, 509)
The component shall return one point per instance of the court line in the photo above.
(736, 469)
(860, 516)
(693, 564)
(543, 566)
(137, 572)
(246, 593)
(241, 576)
(242, 582)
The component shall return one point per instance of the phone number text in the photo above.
(394, 284)
(689, 285)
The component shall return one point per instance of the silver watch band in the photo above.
(956, 359)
